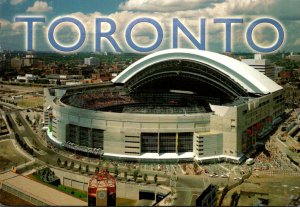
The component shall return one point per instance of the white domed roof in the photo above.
(248, 77)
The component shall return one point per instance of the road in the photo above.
(50, 156)
(187, 186)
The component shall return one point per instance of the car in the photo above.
(211, 175)
(224, 176)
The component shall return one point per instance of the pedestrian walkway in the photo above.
(36, 192)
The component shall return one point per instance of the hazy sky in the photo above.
(12, 34)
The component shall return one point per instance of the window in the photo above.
(185, 142)
(167, 142)
(149, 142)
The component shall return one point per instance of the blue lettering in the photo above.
(228, 23)
(29, 32)
(177, 24)
(280, 36)
(62, 48)
(107, 35)
(144, 49)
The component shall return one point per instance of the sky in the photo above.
(123, 12)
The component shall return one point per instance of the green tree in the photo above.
(18, 120)
(195, 167)
(116, 171)
(66, 164)
(97, 169)
(100, 165)
(72, 165)
(125, 175)
(135, 175)
(87, 168)
(145, 177)
(129, 169)
(155, 178)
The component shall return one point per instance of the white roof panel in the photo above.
(248, 77)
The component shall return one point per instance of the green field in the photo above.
(31, 101)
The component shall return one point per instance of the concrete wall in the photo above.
(230, 121)
(12, 190)
(124, 189)
(131, 190)
(73, 180)
(209, 145)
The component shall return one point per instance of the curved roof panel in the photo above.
(248, 77)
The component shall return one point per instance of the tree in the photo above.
(31, 151)
(100, 165)
(97, 169)
(195, 167)
(234, 197)
(135, 175)
(58, 161)
(72, 165)
(66, 164)
(145, 177)
(79, 167)
(87, 168)
(18, 120)
(37, 118)
(107, 165)
(116, 171)
(125, 175)
(129, 169)
(155, 178)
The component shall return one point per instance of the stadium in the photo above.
(176, 104)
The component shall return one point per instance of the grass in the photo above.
(125, 202)
(31, 102)
(73, 192)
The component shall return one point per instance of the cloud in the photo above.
(189, 12)
(297, 41)
(4, 23)
(15, 2)
(167, 5)
(10, 29)
(39, 7)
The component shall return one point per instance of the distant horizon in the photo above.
(136, 53)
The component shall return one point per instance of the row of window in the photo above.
(80, 135)
(167, 142)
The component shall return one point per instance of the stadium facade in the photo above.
(171, 105)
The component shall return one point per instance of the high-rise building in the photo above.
(16, 63)
(30, 61)
(262, 65)
(294, 57)
(91, 61)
